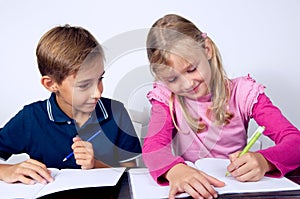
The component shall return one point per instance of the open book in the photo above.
(64, 179)
(143, 186)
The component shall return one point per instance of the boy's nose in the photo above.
(97, 92)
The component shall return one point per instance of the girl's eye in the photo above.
(192, 69)
(172, 80)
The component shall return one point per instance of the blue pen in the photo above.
(92, 137)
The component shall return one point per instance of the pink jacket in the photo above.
(163, 149)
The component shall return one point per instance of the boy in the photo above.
(71, 63)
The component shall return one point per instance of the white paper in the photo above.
(65, 179)
(144, 187)
(234, 186)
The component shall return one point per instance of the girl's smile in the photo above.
(185, 78)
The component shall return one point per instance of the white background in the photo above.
(259, 37)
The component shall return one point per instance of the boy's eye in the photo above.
(83, 86)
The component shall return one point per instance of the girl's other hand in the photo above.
(27, 172)
(183, 178)
(251, 166)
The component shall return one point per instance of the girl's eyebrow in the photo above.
(192, 64)
(169, 76)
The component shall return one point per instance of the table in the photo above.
(122, 191)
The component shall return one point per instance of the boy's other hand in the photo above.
(27, 172)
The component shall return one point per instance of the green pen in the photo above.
(253, 139)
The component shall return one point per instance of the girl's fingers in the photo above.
(203, 189)
(237, 163)
(192, 192)
(173, 191)
(234, 156)
(198, 187)
(213, 181)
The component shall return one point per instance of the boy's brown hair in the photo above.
(61, 51)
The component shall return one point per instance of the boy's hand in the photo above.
(27, 172)
(183, 178)
(83, 153)
(251, 166)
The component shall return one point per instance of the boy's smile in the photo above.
(78, 94)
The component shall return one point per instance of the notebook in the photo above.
(144, 187)
(64, 179)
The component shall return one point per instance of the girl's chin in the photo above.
(195, 96)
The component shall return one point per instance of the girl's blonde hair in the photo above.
(166, 36)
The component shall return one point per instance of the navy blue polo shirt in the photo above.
(45, 133)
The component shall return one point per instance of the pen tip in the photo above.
(227, 174)
(64, 159)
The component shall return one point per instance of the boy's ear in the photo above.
(208, 48)
(49, 83)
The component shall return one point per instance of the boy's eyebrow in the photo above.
(87, 80)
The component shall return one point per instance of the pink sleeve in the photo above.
(246, 91)
(156, 151)
(285, 155)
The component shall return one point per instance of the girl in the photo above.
(198, 112)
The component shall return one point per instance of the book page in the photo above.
(63, 180)
(218, 167)
(143, 186)
(67, 179)
(20, 190)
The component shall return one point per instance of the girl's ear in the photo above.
(208, 48)
(49, 83)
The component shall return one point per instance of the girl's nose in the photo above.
(187, 84)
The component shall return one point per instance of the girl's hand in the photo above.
(183, 178)
(83, 153)
(251, 166)
(27, 172)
